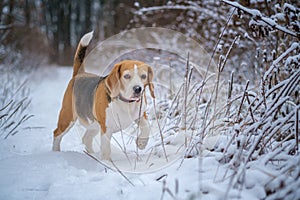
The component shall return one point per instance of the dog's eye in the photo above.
(144, 76)
(127, 76)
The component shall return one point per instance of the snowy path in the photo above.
(30, 170)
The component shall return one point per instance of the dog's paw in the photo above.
(141, 143)
(89, 149)
(105, 155)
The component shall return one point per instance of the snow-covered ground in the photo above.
(30, 170)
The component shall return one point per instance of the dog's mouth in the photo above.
(135, 97)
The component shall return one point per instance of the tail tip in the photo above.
(85, 40)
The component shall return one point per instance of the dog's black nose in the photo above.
(137, 89)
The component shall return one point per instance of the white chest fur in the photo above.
(119, 114)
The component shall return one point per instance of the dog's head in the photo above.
(129, 78)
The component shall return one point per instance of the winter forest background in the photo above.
(255, 44)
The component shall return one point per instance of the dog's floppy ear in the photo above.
(150, 77)
(112, 81)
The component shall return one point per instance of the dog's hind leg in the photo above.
(66, 118)
(57, 139)
(88, 138)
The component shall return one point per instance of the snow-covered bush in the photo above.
(14, 101)
(215, 24)
(19, 56)
(261, 114)
(265, 131)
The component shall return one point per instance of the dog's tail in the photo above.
(80, 52)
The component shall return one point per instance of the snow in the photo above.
(30, 170)
(262, 20)
(290, 7)
(294, 46)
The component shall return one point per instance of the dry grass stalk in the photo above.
(108, 167)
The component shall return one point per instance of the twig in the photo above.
(166, 189)
(172, 104)
(263, 92)
(229, 94)
(4, 107)
(221, 66)
(219, 39)
(297, 129)
(137, 133)
(160, 131)
(14, 111)
(106, 166)
(242, 101)
(24, 118)
(185, 94)
(250, 109)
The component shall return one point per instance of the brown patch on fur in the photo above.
(151, 88)
(149, 82)
(145, 116)
(112, 81)
(100, 105)
(66, 115)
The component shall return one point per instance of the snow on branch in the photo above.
(166, 7)
(5, 27)
(294, 46)
(192, 7)
(258, 16)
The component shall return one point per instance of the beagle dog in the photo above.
(105, 104)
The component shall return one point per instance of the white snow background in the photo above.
(30, 170)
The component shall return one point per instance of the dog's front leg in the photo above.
(143, 137)
(105, 145)
(88, 138)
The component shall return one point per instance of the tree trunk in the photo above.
(10, 18)
(27, 11)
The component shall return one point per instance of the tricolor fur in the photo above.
(105, 104)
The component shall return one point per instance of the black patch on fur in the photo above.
(81, 54)
(108, 97)
(84, 91)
